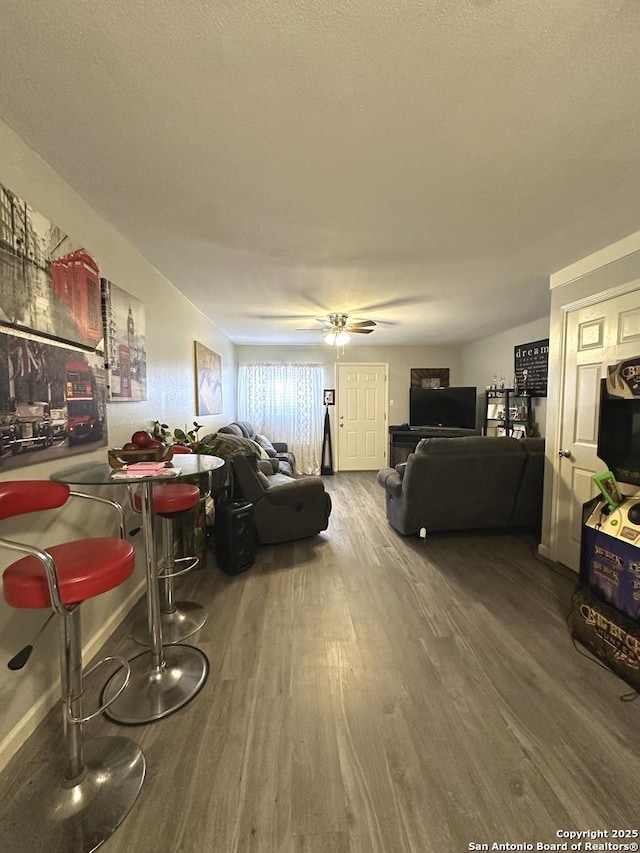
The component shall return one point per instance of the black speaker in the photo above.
(235, 536)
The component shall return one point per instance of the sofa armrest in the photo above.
(391, 481)
(281, 446)
(294, 491)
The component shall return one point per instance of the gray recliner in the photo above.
(284, 508)
(465, 484)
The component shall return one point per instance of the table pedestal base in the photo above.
(153, 693)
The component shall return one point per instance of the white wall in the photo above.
(494, 355)
(172, 325)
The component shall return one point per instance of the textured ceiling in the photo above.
(427, 164)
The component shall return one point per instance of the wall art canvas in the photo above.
(429, 377)
(48, 284)
(52, 401)
(209, 381)
(125, 344)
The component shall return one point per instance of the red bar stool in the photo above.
(79, 808)
(179, 619)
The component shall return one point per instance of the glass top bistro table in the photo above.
(163, 679)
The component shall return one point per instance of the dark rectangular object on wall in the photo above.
(531, 367)
(235, 536)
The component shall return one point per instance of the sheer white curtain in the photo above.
(284, 402)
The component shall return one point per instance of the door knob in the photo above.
(341, 425)
(565, 453)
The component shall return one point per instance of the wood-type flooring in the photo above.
(371, 693)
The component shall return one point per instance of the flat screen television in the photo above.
(443, 407)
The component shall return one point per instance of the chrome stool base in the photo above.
(187, 618)
(53, 817)
(156, 692)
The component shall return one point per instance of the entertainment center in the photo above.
(403, 440)
(433, 412)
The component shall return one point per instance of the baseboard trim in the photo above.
(544, 551)
(28, 724)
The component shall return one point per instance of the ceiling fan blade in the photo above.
(396, 302)
(361, 324)
(351, 331)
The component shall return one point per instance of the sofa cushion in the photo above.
(231, 429)
(470, 446)
(247, 429)
(266, 445)
(269, 466)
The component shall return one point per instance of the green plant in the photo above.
(186, 438)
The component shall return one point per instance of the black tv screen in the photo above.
(443, 407)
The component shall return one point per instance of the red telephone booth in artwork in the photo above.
(76, 283)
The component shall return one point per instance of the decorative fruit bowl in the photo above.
(118, 457)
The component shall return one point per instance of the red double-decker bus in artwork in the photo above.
(84, 404)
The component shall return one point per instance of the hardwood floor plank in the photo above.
(373, 693)
(318, 800)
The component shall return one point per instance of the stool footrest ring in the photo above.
(124, 664)
(163, 574)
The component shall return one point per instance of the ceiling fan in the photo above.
(337, 328)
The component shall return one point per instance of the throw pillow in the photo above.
(266, 445)
(401, 467)
(262, 453)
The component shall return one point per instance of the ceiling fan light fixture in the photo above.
(336, 338)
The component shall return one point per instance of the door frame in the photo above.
(559, 400)
(385, 365)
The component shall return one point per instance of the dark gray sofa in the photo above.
(467, 483)
(284, 462)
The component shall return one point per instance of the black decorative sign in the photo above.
(531, 367)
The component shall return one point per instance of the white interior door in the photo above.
(596, 336)
(362, 417)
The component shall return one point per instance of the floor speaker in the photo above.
(235, 536)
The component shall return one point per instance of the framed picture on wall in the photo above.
(125, 344)
(208, 381)
(49, 283)
(429, 377)
(52, 401)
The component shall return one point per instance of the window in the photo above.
(284, 401)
